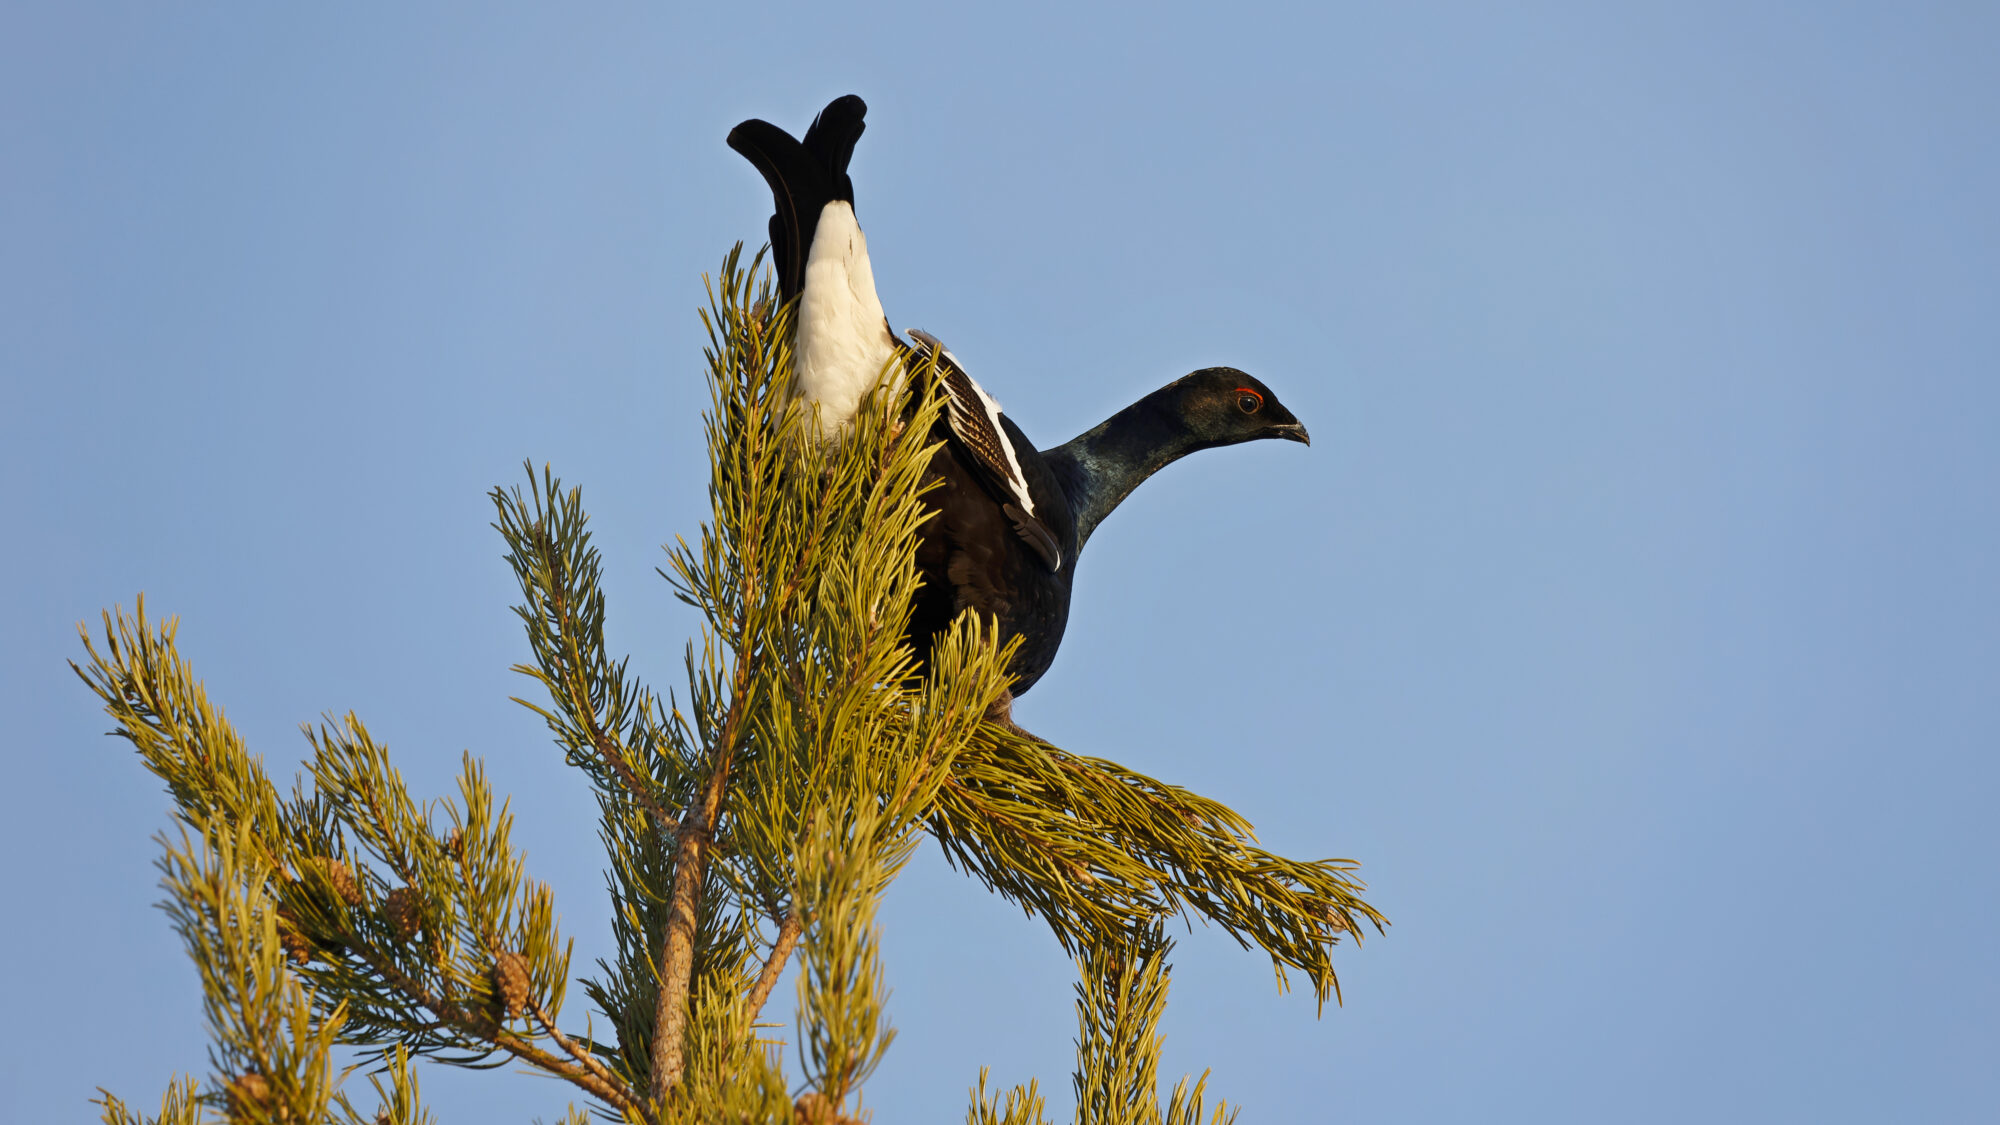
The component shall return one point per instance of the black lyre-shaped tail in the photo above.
(804, 176)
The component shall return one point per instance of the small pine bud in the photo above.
(454, 844)
(510, 982)
(400, 908)
(1078, 873)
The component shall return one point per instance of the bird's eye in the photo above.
(1248, 401)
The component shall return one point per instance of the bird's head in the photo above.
(1224, 406)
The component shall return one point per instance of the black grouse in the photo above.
(1007, 521)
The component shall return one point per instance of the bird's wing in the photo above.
(974, 419)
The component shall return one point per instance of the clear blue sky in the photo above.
(1632, 617)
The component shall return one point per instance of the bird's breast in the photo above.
(972, 559)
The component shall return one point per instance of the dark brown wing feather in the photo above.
(974, 431)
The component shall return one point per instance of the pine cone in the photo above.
(296, 944)
(248, 1097)
(400, 908)
(510, 982)
(342, 881)
(813, 1108)
(454, 844)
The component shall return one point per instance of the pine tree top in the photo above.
(754, 819)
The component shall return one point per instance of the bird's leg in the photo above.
(1001, 713)
(1001, 710)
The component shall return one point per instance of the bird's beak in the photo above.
(1293, 432)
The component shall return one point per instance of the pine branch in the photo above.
(270, 1040)
(323, 906)
(1120, 997)
(1095, 848)
(558, 571)
(398, 1100)
(1024, 1105)
(789, 930)
(691, 844)
(608, 1086)
(180, 1105)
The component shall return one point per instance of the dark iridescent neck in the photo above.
(1099, 469)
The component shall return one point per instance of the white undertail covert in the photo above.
(842, 344)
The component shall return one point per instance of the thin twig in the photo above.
(452, 1016)
(579, 698)
(774, 966)
(583, 1079)
(589, 1060)
(606, 750)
